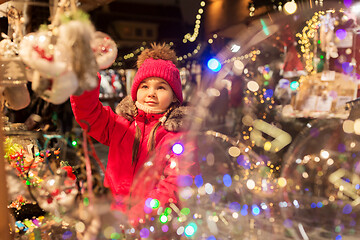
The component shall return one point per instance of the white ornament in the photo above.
(105, 49)
(61, 89)
(37, 51)
(16, 97)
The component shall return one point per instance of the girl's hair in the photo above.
(152, 141)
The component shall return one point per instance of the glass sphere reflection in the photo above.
(322, 182)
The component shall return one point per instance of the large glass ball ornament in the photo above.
(321, 182)
(207, 187)
(206, 198)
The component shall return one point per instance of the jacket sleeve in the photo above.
(93, 116)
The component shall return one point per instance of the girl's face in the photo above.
(155, 93)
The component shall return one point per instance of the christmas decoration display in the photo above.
(281, 164)
(319, 95)
(66, 54)
(13, 82)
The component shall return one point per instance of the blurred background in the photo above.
(273, 88)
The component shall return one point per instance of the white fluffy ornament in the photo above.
(76, 36)
(57, 90)
(38, 52)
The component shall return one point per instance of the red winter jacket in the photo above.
(118, 132)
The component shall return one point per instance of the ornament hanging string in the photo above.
(86, 139)
(93, 153)
(88, 166)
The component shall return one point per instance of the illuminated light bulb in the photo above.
(154, 203)
(190, 229)
(234, 151)
(250, 184)
(348, 126)
(290, 7)
(235, 48)
(163, 218)
(341, 34)
(209, 188)
(324, 154)
(178, 148)
(80, 227)
(108, 231)
(282, 182)
(355, 9)
(252, 86)
(294, 85)
(238, 67)
(357, 126)
(214, 64)
(267, 146)
(255, 210)
(213, 92)
(330, 162)
(172, 164)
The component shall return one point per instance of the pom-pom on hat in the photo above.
(159, 61)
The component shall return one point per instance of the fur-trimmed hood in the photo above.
(174, 123)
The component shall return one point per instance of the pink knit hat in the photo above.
(164, 69)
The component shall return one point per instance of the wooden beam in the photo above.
(4, 211)
(88, 5)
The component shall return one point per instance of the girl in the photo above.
(148, 119)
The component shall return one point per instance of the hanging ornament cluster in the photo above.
(13, 81)
(66, 54)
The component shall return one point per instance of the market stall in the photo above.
(275, 132)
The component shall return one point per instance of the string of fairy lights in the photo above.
(252, 55)
(289, 7)
(192, 37)
(308, 33)
(187, 38)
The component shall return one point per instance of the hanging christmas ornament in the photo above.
(293, 66)
(13, 83)
(56, 193)
(76, 35)
(38, 52)
(105, 49)
(55, 90)
(12, 71)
